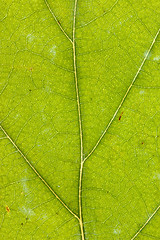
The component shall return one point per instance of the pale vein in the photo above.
(80, 122)
(36, 172)
(58, 23)
(123, 99)
(149, 219)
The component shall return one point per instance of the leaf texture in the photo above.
(80, 117)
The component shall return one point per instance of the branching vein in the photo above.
(58, 23)
(80, 218)
(73, 42)
(123, 99)
(37, 173)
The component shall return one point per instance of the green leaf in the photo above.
(80, 120)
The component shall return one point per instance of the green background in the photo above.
(121, 178)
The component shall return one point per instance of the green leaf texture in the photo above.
(80, 119)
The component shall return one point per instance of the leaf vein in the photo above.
(37, 173)
(80, 122)
(124, 97)
(148, 220)
(58, 23)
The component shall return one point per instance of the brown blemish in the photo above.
(120, 116)
(7, 209)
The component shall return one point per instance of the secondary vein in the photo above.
(58, 23)
(37, 173)
(148, 220)
(124, 97)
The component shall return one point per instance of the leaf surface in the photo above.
(80, 115)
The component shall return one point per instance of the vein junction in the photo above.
(37, 173)
(73, 42)
(124, 97)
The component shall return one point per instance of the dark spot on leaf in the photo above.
(30, 90)
(120, 116)
(7, 209)
(142, 143)
(22, 224)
